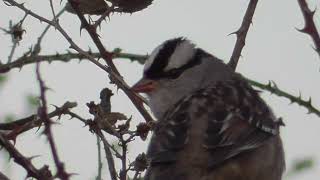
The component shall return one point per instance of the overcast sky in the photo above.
(274, 50)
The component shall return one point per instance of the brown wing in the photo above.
(238, 121)
(237, 118)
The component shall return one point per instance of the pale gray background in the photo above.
(274, 51)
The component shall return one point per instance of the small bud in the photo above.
(17, 32)
(143, 130)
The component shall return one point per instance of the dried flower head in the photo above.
(17, 32)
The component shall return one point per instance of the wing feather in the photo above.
(238, 120)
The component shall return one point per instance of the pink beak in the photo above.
(144, 86)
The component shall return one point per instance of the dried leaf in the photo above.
(131, 6)
(91, 7)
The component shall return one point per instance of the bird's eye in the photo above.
(173, 73)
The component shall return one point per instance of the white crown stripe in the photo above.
(181, 56)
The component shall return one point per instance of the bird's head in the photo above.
(175, 69)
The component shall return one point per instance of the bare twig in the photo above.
(65, 57)
(27, 11)
(107, 56)
(123, 171)
(5, 30)
(53, 12)
(74, 115)
(14, 46)
(37, 47)
(43, 173)
(113, 72)
(273, 88)
(310, 27)
(106, 144)
(43, 113)
(110, 160)
(242, 33)
(21, 125)
(99, 176)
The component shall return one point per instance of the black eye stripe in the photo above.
(161, 60)
(156, 70)
(196, 60)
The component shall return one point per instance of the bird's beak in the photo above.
(144, 86)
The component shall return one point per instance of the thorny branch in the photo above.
(100, 165)
(310, 27)
(37, 47)
(43, 113)
(65, 57)
(33, 57)
(242, 34)
(123, 171)
(110, 160)
(273, 88)
(42, 173)
(103, 16)
(113, 72)
(21, 125)
(106, 120)
(108, 56)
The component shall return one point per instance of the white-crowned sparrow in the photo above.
(212, 125)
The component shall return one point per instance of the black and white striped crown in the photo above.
(172, 58)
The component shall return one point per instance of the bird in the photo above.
(211, 124)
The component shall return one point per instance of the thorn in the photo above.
(55, 106)
(274, 85)
(269, 84)
(235, 32)
(33, 157)
(291, 101)
(280, 122)
(300, 96)
(303, 30)
(7, 3)
(309, 101)
(81, 28)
